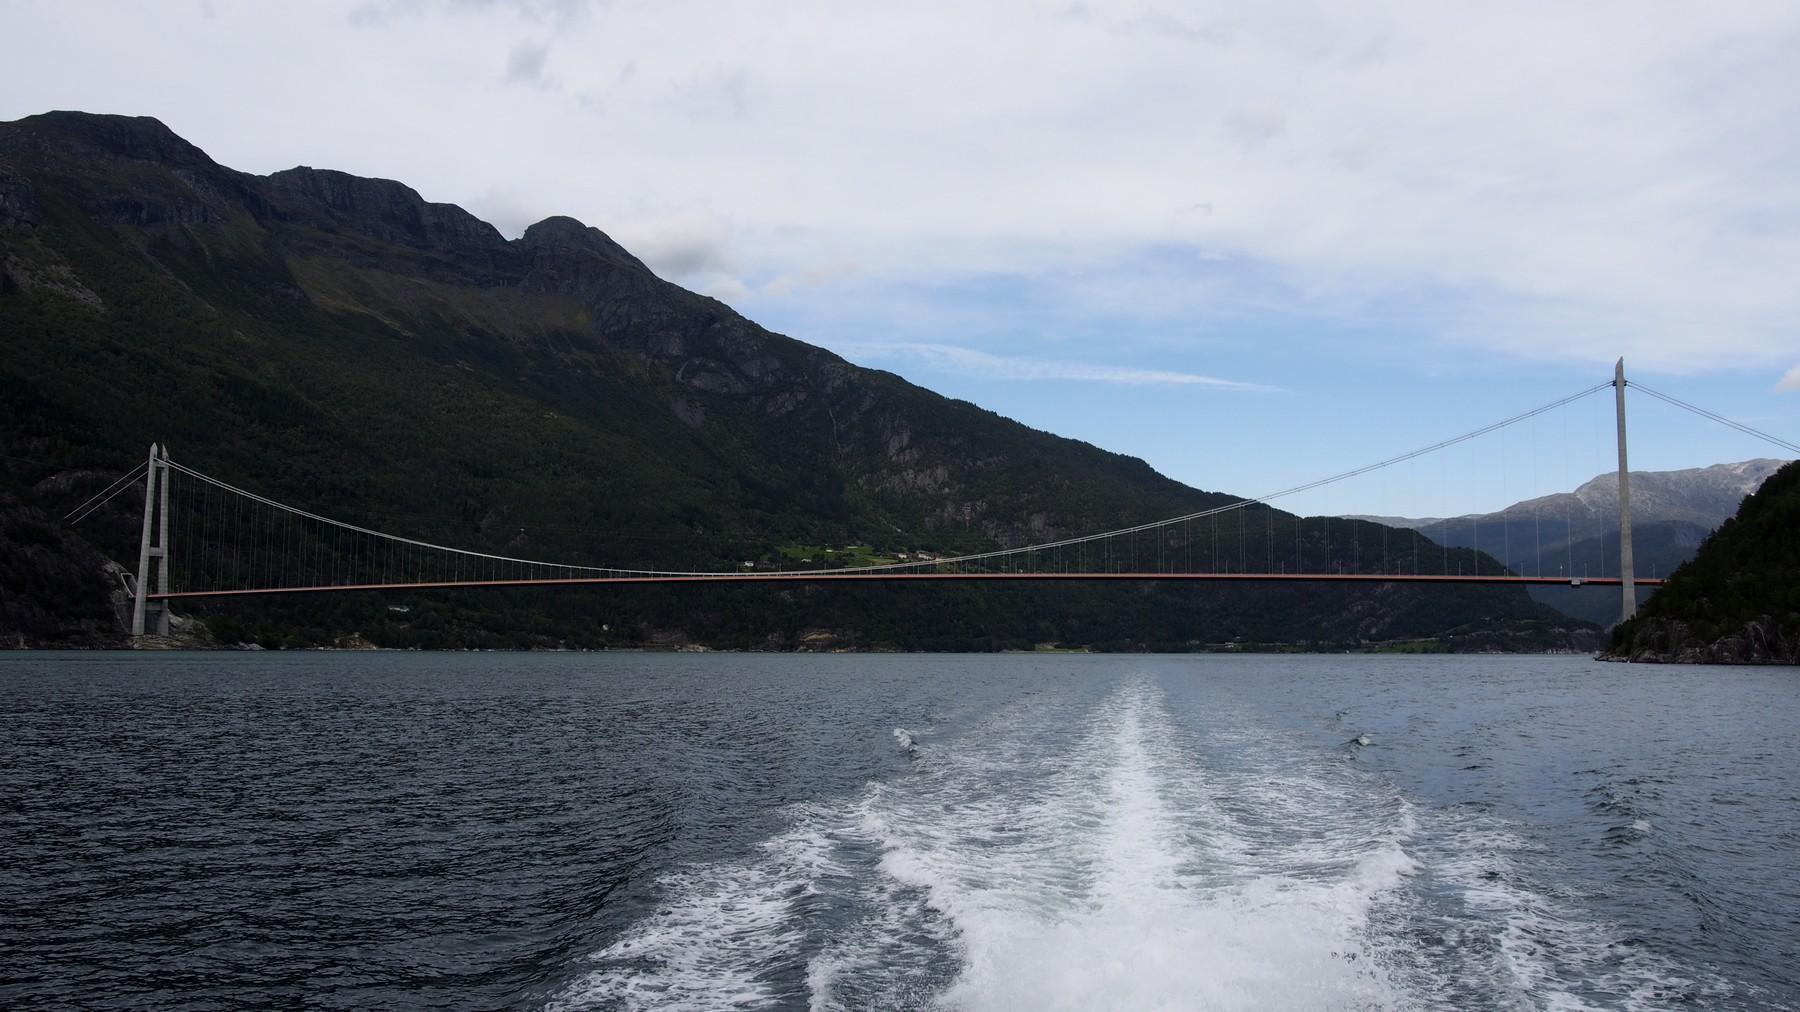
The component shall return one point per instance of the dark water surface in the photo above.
(340, 830)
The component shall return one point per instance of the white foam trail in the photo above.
(1543, 951)
(1087, 903)
(1029, 864)
(720, 929)
(893, 957)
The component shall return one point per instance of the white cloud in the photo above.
(506, 209)
(1791, 381)
(526, 65)
(969, 361)
(725, 288)
(680, 244)
(1547, 180)
(795, 281)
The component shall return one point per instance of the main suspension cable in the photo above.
(1158, 525)
(1793, 448)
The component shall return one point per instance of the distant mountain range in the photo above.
(1577, 533)
(340, 343)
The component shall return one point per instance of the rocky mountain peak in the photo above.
(562, 234)
(140, 138)
(1702, 495)
(385, 208)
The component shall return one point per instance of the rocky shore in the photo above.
(1672, 641)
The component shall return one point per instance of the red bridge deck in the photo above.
(899, 577)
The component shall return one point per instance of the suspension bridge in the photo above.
(235, 543)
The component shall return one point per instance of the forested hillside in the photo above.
(1738, 599)
(339, 343)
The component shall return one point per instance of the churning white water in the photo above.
(1048, 858)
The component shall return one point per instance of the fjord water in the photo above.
(337, 830)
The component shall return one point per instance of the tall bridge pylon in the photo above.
(153, 546)
(1628, 606)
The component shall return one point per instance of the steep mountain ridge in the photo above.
(563, 294)
(343, 343)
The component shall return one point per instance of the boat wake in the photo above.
(1093, 853)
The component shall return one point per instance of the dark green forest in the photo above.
(1738, 599)
(339, 343)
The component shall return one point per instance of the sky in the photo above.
(1253, 244)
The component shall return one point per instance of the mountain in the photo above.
(1702, 496)
(1577, 533)
(340, 343)
(1738, 599)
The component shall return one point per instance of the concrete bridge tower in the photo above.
(1628, 606)
(153, 546)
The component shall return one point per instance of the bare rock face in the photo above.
(46, 274)
(134, 138)
(456, 246)
(562, 237)
(18, 204)
(44, 271)
(1699, 495)
(384, 209)
(179, 186)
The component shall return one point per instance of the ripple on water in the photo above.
(335, 831)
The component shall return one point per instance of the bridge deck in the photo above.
(898, 577)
